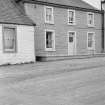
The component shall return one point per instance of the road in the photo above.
(79, 87)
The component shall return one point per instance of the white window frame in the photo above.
(74, 22)
(46, 21)
(75, 39)
(53, 48)
(93, 47)
(90, 25)
(10, 50)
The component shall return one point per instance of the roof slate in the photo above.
(10, 12)
(76, 3)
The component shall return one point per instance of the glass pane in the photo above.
(49, 14)
(71, 16)
(90, 40)
(89, 43)
(71, 36)
(70, 39)
(90, 18)
(9, 38)
(48, 39)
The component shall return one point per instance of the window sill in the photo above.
(51, 50)
(71, 24)
(9, 51)
(91, 26)
(90, 48)
(51, 23)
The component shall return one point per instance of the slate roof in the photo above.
(12, 13)
(76, 3)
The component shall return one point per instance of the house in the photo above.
(65, 28)
(16, 34)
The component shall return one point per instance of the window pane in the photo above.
(49, 14)
(49, 40)
(71, 16)
(90, 40)
(70, 39)
(71, 35)
(89, 43)
(9, 38)
(90, 16)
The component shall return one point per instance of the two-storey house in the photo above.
(64, 28)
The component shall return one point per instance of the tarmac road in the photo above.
(84, 86)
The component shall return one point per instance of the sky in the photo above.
(95, 3)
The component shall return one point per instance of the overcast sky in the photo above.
(95, 3)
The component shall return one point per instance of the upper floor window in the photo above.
(9, 39)
(90, 19)
(71, 17)
(49, 18)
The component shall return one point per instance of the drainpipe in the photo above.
(102, 19)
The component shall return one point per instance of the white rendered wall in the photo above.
(25, 46)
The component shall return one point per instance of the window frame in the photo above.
(46, 21)
(93, 46)
(90, 25)
(53, 44)
(74, 22)
(3, 39)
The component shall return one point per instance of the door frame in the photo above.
(75, 42)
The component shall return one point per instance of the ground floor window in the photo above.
(9, 39)
(49, 40)
(91, 40)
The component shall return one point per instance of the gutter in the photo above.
(17, 23)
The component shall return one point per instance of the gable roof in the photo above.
(76, 3)
(12, 13)
(71, 4)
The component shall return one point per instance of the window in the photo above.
(49, 40)
(90, 19)
(91, 40)
(49, 18)
(71, 37)
(9, 39)
(71, 17)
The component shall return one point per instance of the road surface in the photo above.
(79, 87)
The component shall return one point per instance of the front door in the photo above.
(72, 43)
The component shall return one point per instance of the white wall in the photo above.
(25, 46)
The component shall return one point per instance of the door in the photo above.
(72, 43)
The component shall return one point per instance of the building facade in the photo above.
(65, 30)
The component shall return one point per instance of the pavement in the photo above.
(46, 68)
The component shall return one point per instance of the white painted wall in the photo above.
(25, 46)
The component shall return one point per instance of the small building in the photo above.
(16, 34)
(64, 28)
